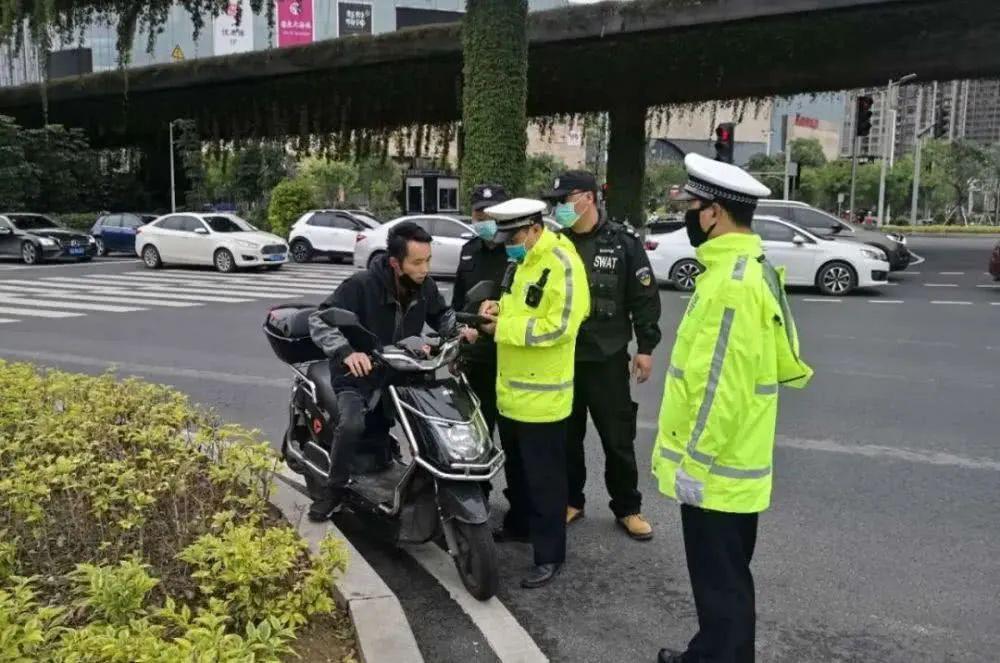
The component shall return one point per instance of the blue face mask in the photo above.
(566, 214)
(516, 252)
(485, 229)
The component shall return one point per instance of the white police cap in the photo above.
(514, 214)
(715, 180)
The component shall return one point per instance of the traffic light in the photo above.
(863, 125)
(725, 137)
(942, 123)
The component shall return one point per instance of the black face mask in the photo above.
(696, 235)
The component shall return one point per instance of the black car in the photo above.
(115, 233)
(828, 226)
(36, 237)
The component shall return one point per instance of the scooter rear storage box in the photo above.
(287, 330)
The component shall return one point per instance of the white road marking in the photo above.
(90, 296)
(941, 285)
(247, 288)
(505, 635)
(3, 320)
(950, 303)
(38, 313)
(909, 272)
(823, 300)
(101, 263)
(70, 306)
(311, 281)
(952, 273)
(885, 301)
(995, 304)
(75, 285)
(990, 286)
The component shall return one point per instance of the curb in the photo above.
(383, 632)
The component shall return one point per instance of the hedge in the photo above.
(135, 527)
(942, 229)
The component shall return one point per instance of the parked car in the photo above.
(450, 233)
(224, 241)
(328, 232)
(115, 233)
(36, 237)
(995, 262)
(835, 268)
(827, 225)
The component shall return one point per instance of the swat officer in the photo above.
(483, 259)
(736, 343)
(535, 324)
(624, 298)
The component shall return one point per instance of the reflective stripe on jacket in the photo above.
(536, 345)
(736, 343)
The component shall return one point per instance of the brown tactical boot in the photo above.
(573, 514)
(637, 527)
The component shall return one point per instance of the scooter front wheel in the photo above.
(476, 558)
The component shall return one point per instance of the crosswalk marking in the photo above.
(142, 290)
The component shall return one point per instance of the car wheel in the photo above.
(373, 257)
(683, 274)
(30, 254)
(836, 278)
(151, 257)
(224, 261)
(101, 249)
(301, 251)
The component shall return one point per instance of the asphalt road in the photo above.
(882, 542)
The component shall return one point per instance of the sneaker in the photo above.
(637, 527)
(573, 514)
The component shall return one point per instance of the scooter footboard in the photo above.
(464, 501)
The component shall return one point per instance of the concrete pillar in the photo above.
(627, 164)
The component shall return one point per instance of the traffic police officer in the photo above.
(625, 297)
(713, 452)
(535, 325)
(482, 259)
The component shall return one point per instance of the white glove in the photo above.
(687, 488)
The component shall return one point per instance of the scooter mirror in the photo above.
(479, 293)
(339, 317)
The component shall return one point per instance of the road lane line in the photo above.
(505, 635)
(991, 285)
(917, 456)
(75, 286)
(315, 282)
(93, 297)
(946, 302)
(38, 313)
(952, 273)
(940, 285)
(885, 301)
(248, 285)
(5, 320)
(823, 300)
(70, 306)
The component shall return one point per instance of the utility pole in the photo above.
(886, 102)
(173, 193)
(788, 156)
(918, 146)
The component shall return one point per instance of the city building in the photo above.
(692, 129)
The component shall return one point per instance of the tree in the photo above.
(808, 153)
(540, 171)
(494, 94)
(289, 200)
(768, 170)
(329, 180)
(957, 164)
(659, 178)
(15, 171)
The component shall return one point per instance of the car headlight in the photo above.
(90, 238)
(875, 254)
(247, 245)
(463, 441)
(45, 241)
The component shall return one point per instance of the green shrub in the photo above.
(135, 527)
(942, 229)
(289, 200)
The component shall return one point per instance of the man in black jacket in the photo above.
(392, 299)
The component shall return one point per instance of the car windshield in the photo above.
(228, 224)
(31, 222)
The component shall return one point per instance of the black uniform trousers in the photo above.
(719, 547)
(482, 378)
(536, 485)
(602, 387)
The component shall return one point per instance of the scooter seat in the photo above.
(319, 373)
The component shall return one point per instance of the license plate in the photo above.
(275, 258)
(76, 252)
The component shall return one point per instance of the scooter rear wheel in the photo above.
(476, 559)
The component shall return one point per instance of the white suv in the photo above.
(327, 232)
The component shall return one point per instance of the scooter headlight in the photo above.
(464, 442)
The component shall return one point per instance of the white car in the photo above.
(449, 233)
(327, 232)
(834, 267)
(223, 240)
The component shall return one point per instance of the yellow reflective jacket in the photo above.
(736, 343)
(536, 345)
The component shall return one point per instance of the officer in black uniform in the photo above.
(482, 260)
(624, 297)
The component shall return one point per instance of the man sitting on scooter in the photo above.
(393, 299)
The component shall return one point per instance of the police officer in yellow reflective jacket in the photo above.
(535, 324)
(713, 453)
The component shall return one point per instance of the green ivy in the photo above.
(494, 96)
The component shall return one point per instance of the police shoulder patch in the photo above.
(644, 276)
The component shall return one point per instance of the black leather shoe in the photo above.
(540, 576)
(504, 535)
(670, 656)
(323, 508)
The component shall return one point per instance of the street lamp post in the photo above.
(173, 194)
(886, 103)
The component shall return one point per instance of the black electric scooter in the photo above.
(441, 487)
